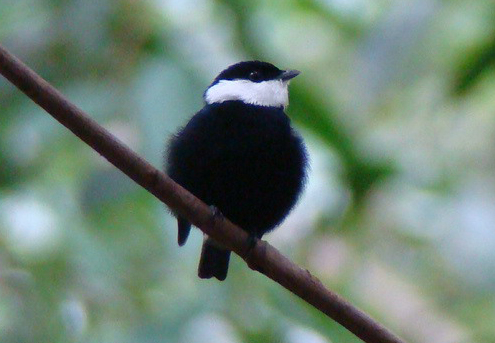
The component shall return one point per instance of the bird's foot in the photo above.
(216, 213)
(251, 243)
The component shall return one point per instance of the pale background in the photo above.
(396, 101)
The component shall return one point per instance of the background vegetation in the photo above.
(396, 104)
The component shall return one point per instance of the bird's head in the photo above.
(252, 82)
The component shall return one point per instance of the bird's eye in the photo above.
(255, 76)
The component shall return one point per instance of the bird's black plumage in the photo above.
(244, 159)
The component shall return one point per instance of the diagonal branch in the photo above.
(263, 258)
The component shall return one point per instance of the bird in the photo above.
(240, 155)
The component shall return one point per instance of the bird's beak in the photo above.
(288, 74)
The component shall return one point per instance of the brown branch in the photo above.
(263, 258)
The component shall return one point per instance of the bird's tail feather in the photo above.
(214, 261)
(184, 229)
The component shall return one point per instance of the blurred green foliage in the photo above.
(477, 63)
(396, 104)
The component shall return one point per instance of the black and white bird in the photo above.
(240, 154)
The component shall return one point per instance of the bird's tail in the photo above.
(214, 261)
(184, 229)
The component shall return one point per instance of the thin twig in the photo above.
(263, 258)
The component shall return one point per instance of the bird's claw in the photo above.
(216, 213)
(251, 243)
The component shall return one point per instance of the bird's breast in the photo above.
(245, 160)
